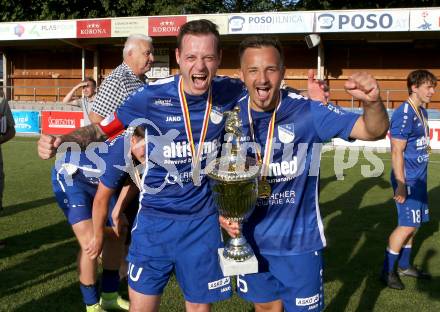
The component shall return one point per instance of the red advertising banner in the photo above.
(165, 26)
(59, 122)
(94, 28)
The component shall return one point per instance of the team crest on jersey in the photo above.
(286, 133)
(216, 115)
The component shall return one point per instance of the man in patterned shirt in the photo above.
(124, 79)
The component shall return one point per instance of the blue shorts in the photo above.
(160, 246)
(76, 198)
(414, 211)
(296, 280)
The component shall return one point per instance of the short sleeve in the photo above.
(401, 124)
(134, 107)
(114, 174)
(332, 121)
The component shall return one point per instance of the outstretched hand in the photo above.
(317, 89)
(362, 86)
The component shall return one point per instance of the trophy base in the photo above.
(231, 267)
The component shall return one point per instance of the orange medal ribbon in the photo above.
(423, 121)
(264, 189)
(195, 160)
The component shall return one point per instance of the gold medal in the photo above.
(422, 119)
(264, 189)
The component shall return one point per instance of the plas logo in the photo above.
(93, 28)
(19, 30)
(165, 26)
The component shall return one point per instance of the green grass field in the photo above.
(37, 268)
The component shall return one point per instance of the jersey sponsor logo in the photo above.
(216, 115)
(163, 102)
(421, 143)
(283, 168)
(173, 118)
(220, 283)
(182, 149)
(301, 302)
(334, 109)
(423, 158)
(182, 177)
(286, 133)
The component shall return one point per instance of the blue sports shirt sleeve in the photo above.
(331, 121)
(134, 107)
(401, 124)
(115, 174)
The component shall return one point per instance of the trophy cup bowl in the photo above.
(233, 181)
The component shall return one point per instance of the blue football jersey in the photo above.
(405, 125)
(104, 161)
(289, 221)
(168, 188)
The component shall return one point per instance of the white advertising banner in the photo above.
(271, 22)
(38, 30)
(425, 19)
(221, 20)
(434, 134)
(362, 21)
(124, 27)
(161, 66)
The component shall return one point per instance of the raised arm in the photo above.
(48, 144)
(68, 98)
(374, 123)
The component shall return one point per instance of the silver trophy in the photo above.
(234, 184)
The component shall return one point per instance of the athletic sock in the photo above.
(89, 293)
(404, 257)
(110, 281)
(390, 260)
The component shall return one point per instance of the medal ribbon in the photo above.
(269, 139)
(423, 120)
(186, 118)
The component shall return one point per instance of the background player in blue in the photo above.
(409, 157)
(285, 229)
(75, 179)
(110, 184)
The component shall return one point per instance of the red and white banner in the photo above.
(94, 28)
(165, 25)
(59, 122)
